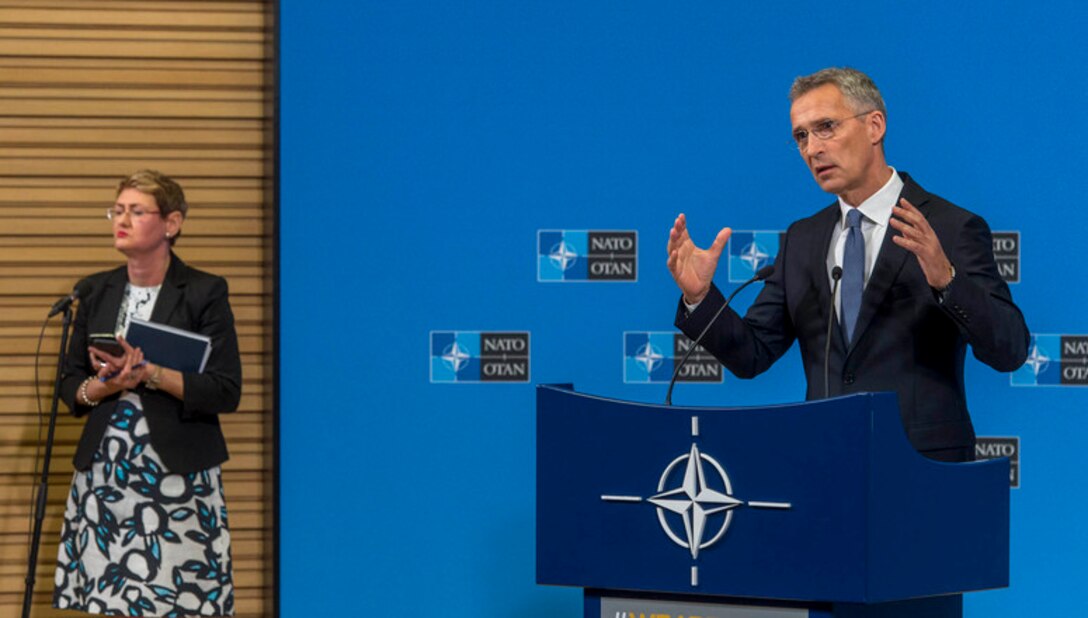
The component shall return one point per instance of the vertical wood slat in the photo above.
(90, 91)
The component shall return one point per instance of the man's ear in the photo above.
(876, 125)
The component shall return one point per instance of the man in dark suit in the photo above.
(919, 282)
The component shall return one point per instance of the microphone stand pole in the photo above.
(43, 487)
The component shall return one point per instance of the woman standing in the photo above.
(145, 529)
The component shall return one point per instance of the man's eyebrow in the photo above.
(814, 123)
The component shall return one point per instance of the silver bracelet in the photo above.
(87, 401)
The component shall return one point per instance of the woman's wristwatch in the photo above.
(152, 381)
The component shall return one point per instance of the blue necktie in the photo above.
(853, 273)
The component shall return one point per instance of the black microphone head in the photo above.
(765, 272)
(82, 288)
(836, 273)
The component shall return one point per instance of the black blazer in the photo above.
(185, 433)
(906, 340)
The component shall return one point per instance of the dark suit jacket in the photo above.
(905, 341)
(185, 433)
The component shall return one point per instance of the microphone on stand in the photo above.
(836, 275)
(763, 273)
(81, 288)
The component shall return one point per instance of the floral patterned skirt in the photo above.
(138, 540)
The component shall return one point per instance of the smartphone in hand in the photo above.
(108, 344)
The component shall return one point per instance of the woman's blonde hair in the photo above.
(168, 194)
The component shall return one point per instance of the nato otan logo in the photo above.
(994, 447)
(475, 356)
(1054, 360)
(1007, 255)
(650, 357)
(749, 251)
(586, 255)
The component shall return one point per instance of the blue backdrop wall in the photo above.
(425, 146)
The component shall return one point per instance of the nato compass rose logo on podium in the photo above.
(694, 501)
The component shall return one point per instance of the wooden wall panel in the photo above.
(90, 91)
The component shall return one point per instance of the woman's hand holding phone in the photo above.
(120, 371)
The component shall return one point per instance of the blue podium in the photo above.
(811, 509)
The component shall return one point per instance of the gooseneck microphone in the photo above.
(763, 273)
(81, 288)
(836, 275)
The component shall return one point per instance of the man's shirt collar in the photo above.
(878, 207)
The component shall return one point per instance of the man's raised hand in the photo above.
(693, 268)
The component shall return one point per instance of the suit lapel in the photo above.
(104, 320)
(828, 219)
(889, 263)
(825, 228)
(171, 291)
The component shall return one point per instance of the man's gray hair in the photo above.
(857, 87)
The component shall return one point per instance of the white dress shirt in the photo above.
(875, 213)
